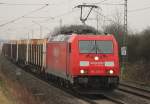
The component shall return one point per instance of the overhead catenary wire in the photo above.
(18, 18)
(100, 2)
(31, 4)
(61, 15)
(36, 17)
(14, 4)
(112, 4)
(108, 19)
(140, 9)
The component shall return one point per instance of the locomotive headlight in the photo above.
(82, 71)
(109, 63)
(96, 58)
(111, 72)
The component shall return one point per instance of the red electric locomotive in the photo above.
(86, 61)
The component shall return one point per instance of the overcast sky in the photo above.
(62, 12)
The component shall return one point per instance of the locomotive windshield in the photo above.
(95, 46)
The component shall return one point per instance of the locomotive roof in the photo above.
(60, 37)
(66, 37)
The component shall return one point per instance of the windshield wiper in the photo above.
(92, 49)
(98, 50)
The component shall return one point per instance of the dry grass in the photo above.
(138, 72)
(5, 97)
(14, 88)
(18, 92)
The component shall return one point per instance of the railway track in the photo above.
(117, 100)
(109, 98)
(99, 99)
(105, 98)
(134, 90)
(129, 89)
(89, 99)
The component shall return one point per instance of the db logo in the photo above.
(56, 52)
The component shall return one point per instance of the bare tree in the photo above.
(115, 27)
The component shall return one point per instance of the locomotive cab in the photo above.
(95, 62)
(85, 61)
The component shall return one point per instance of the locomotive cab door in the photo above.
(68, 50)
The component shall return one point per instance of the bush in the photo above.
(138, 46)
(138, 72)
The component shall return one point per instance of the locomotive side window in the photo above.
(95, 46)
